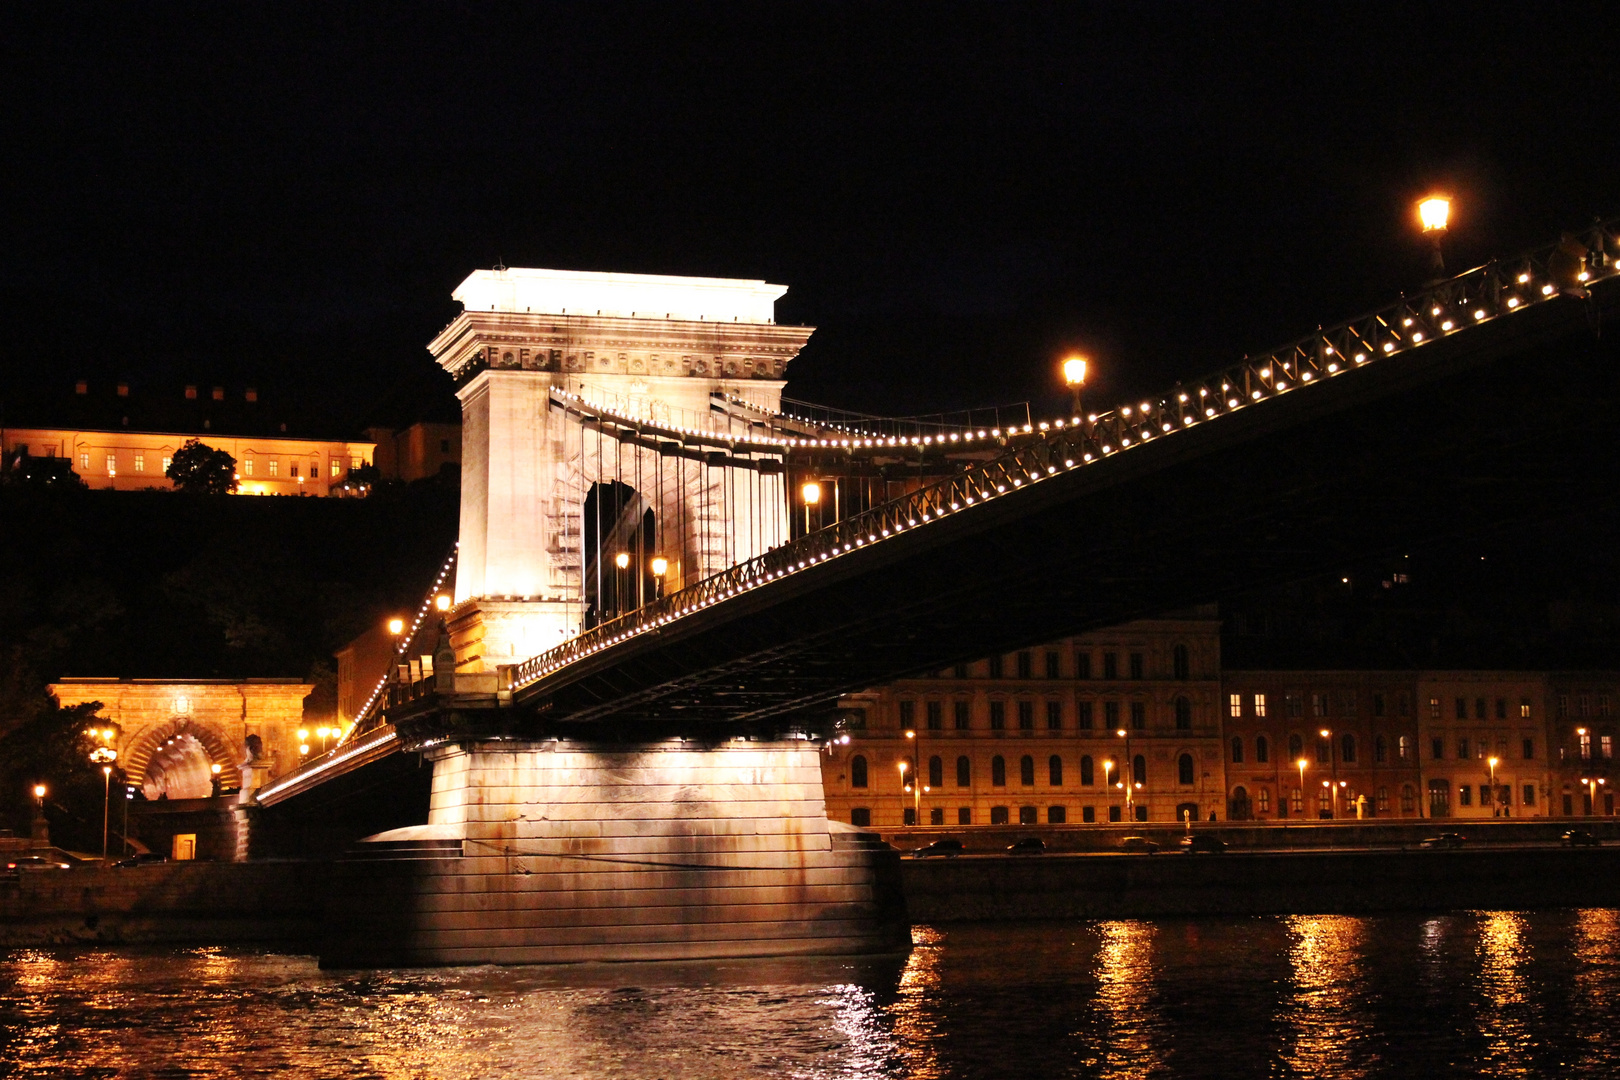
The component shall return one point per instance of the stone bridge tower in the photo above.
(553, 498)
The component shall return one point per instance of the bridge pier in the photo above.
(557, 851)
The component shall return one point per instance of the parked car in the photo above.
(1139, 844)
(948, 849)
(1203, 844)
(34, 862)
(141, 858)
(1580, 838)
(1029, 845)
(1445, 840)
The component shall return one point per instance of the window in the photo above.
(1054, 716)
(1380, 750)
(1524, 708)
(1299, 801)
(857, 771)
(1319, 704)
(1052, 668)
(1586, 746)
(1465, 795)
(1183, 709)
(1026, 716)
(1529, 798)
(247, 466)
(861, 816)
(1528, 746)
(1479, 708)
(1434, 708)
(1381, 800)
(1606, 746)
(1378, 704)
(270, 466)
(936, 816)
(1085, 716)
(336, 468)
(1088, 772)
(1111, 715)
(1110, 665)
(1026, 771)
(1027, 815)
(1137, 666)
(1262, 749)
(112, 464)
(1262, 800)
(1054, 771)
(1056, 815)
(1437, 748)
(910, 815)
(140, 462)
(1296, 748)
(1603, 704)
(1260, 705)
(314, 468)
(964, 815)
(908, 716)
(1082, 665)
(1501, 708)
(1114, 813)
(1324, 802)
(960, 710)
(1237, 749)
(1184, 769)
(294, 471)
(998, 715)
(1138, 715)
(995, 667)
(1139, 769)
(1024, 665)
(167, 461)
(1234, 704)
(1324, 749)
(1088, 814)
(1403, 746)
(964, 771)
(1408, 799)
(354, 462)
(936, 715)
(998, 815)
(998, 771)
(936, 772)
(1292, 705)
(1462, 748)
(1180, 662)
(1460, 710)
(1402, 704)
(1347, 749)
(1141, 811)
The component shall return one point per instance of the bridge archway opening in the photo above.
(619, 521)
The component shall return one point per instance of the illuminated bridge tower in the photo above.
(554, 498)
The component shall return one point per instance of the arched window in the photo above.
(1139, 769)
(1183, 714)
(936, 772)
(1262, 749)
(1026, 771)
(1404, 746)
(1296, 748)
(1380, 750)
(1347, 747)
(1054, 771)
(1088, 773)
(1184, 769)
(1180, 662)
(1382, 805)
(998, 771)
(857, 771)
(964, 771)
(1408, 799)
(1237, 749)
(1262, 800)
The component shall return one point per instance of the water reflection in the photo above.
(1503, 1022)
(1124, 976)
(1326, 1017)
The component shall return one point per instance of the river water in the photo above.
(1469, 994)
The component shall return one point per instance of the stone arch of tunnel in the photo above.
(175, 760)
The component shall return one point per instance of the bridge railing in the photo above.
(389, 687)
(1479, 296)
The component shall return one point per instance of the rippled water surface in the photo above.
(1465, 995)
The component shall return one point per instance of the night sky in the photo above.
(285, 195)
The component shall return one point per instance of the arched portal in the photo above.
(176, 760)
(618, 523)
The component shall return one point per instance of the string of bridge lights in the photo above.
(1147, 420)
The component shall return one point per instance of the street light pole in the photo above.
(106, 807)
(1496, 810)
(1108, 768)
(1433, 214)
(1074, 374)
(1301, 764)
(1333, 766)
(1127, 770)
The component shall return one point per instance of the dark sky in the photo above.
(286, 194)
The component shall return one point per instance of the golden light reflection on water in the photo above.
(1503, 1023)
(917, 1022)
(1596, 934)
(1326, 1016)
(1125, 982)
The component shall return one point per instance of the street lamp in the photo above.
(396, 626)
(1433, 214)
(1301, 764)
(1333, 765)
(1074, 375)
(1127, 770)
(811, 491)
(442, 601)
(1592, 784)
(1108, 767)
(106, 806)
(303, 742)
(1496, 810)
(660, 567)
(906, 785)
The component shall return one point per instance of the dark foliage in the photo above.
(200, 469)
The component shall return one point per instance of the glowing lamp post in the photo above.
(396, 626)
(811, 491)
(303, 742)
(1434, 213)
(660, 567)
(1127, 771)
(1496, 809)
(442, 601)
(1108, 768)
(1301, 764)
(1074, 375)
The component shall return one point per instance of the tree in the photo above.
(199, 469)
(53, 749)
(48, 473)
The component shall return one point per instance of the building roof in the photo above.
(111, 404)
(585, 292)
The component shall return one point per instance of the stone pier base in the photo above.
(559, 852)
